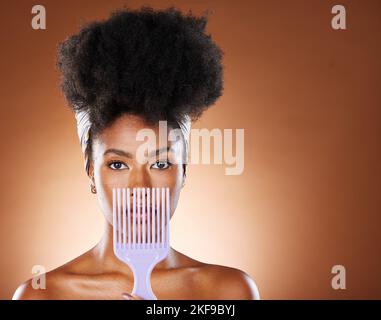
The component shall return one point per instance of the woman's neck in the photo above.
(104, 253)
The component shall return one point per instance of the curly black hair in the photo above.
(158, 64)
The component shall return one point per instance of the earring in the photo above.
(93, 189)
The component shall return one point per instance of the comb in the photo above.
(141, 232)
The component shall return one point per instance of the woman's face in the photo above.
(115, 163)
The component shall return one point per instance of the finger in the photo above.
(128, 296)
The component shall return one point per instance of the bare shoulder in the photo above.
(217, 282)
(50, 285)
(25, 291)
(227, 283)
(35, 290)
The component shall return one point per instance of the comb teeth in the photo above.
(148, 219)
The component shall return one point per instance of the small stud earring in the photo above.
(93, 189)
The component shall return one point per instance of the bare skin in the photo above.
(98, 274)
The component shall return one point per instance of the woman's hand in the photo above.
(128, 296)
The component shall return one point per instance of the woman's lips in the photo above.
(141, 215)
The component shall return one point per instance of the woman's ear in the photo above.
(90, 173)
(184, 175)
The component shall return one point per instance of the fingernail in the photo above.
(126, 296)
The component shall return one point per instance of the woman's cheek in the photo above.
(106, 181)
(104, 197)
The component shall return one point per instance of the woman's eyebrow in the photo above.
(119, 153)
(130, 155)
(158, 151)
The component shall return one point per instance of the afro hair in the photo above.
(158, 64)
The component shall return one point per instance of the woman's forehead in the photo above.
(131, 123)
(124, 134)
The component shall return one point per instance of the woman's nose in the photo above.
(139, 179)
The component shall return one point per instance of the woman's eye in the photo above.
(161, 165)
(117, 165)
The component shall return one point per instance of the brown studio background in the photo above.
(309, 100)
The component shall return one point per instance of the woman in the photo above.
(120, 76)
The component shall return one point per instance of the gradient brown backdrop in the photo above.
(309, 100)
